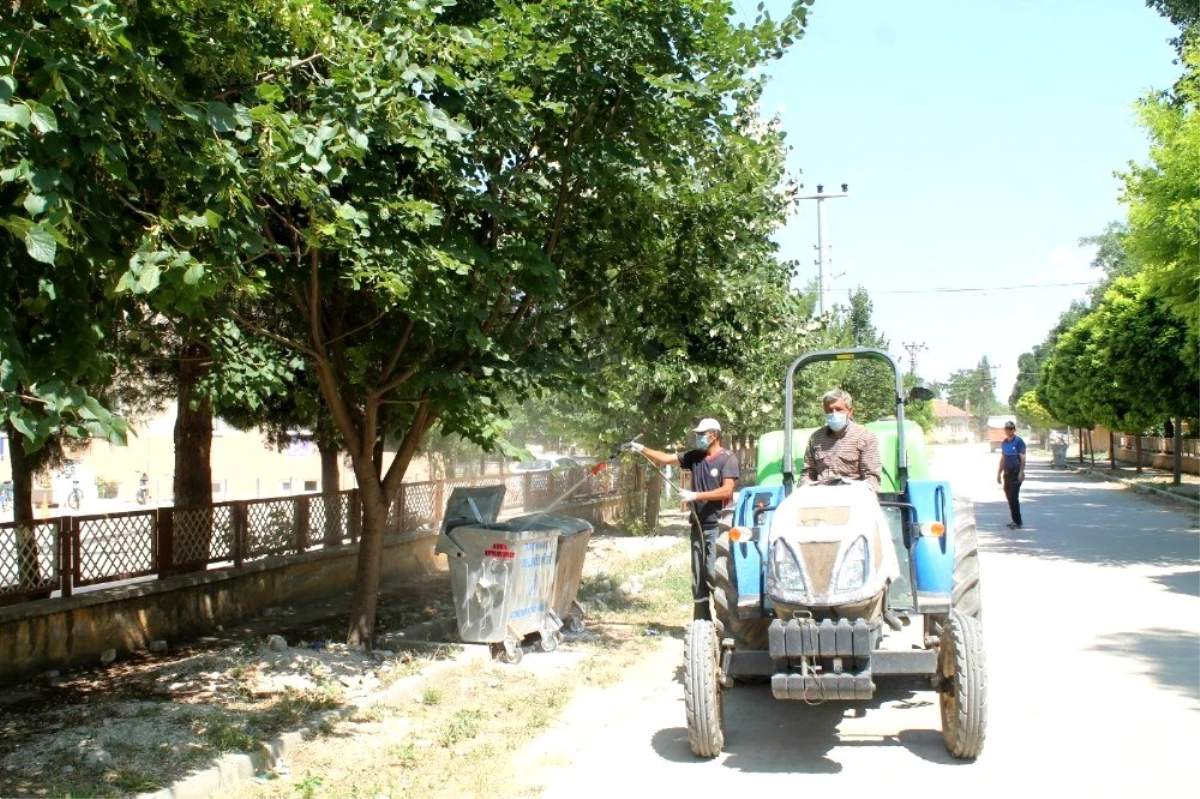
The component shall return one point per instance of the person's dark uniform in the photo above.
(709, 472)
(1012, 452)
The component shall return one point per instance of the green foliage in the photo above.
(919, 411)
(1164, 198)
(1033, 413)
(1121, 365)
(1114, 261)
(225, 736)
(973, 390)
(398, 215)
(871, 383)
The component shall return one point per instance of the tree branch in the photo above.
(423, 419)
(278, 339)
(263, 77)
(394, 358)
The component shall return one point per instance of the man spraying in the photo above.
(714, 474)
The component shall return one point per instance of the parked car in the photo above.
(537, 465)
(546, 464)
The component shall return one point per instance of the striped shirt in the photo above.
(854, 455)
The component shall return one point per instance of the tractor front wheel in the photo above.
(702, 690)
(962, 673)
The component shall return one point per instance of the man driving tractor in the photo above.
(842, 448)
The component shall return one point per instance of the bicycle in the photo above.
(6, 496)
(142, 496)
(75, 498)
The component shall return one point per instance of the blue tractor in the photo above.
(827, 590)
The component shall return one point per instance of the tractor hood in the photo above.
(829, 545)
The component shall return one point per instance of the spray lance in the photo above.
(589, 474)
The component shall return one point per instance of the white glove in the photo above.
(687, 496)
(632, 446)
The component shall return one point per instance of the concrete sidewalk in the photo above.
(1151, 480)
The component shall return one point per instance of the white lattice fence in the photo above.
(115, 547)
(203, 535)
(420, 500)
(270, 526)
(28, 557)
(328, 519)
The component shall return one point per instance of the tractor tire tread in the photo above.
(966, 592)
(747, 634)
(701, 690)
(964, 723)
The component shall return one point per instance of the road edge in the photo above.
(1136, 486)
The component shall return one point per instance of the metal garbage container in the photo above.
(573, 537)
(1059, 451)
(503, 574)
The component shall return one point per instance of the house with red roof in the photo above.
(952, 425)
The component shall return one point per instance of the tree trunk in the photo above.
(1177, 460)
(330, 486)
(1112, 450)
(365, 602)
(29, 574)
(192, 484)
(193, 431)
(654, 489)
(1081, 446)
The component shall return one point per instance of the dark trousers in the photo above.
(704, 553)
(1012, 490)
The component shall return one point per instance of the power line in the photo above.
(823, 282)
(913, 350)
(959, 290)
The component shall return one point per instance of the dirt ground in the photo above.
(142, 724)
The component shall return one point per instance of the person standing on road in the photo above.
(842, 448)
(1012, 471)
(715, 472)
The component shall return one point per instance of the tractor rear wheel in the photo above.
(963, 686)
(702, 690)
(966, 596)
(747, 634)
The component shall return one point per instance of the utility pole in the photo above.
(913, 349)
(821, 196)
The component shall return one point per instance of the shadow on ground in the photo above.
(1170, 657)
(1073, 517)
(768, 735)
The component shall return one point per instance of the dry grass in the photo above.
(455, 732)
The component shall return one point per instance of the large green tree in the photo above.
(72, 115)
(974, 390)
(453, 203)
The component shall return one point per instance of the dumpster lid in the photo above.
(476, 505)
(564, 525)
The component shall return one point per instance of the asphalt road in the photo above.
(1093, 644)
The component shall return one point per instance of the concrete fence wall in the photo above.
(66, 632)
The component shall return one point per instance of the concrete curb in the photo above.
(1136, 486)
(223, 776)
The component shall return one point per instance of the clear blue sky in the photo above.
(979, 139)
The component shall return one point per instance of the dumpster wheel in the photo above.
(548, 642)
(507, 652)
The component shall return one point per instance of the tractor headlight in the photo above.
(852, 574)
(785, 569)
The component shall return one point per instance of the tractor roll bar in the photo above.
(851, 354)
